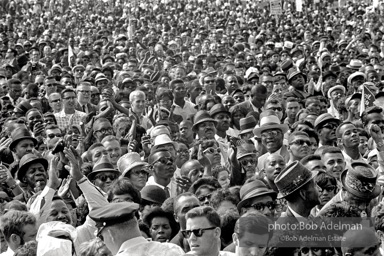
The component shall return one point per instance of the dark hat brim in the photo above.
(24, 168)
(314, 174)
(376, 191)
(254, 194)
(15, 142)
(92, 175)
(194, 127)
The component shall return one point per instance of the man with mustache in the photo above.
(271, 132)
(298, 148)
(204, 125)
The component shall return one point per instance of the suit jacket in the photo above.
(90, 107)
(283, 152)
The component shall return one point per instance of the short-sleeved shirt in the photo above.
(65, 120)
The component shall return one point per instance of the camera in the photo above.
(59, 147)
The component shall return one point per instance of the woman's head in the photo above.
(162, 225)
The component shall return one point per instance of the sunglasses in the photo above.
(276, 109)
(55, 101)
(212, 150)
(197, 232)
(261, 206)
(301, 142)
(203, 198)
(165, 160)
(245, 162)
(51, 136)
(330, 126)
(105, 177)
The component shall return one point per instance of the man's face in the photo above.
(69, 100)
(195, 91)
(102, 130)
(114, 150)
(275, 107)
(50, 86)
(209, 84)
(165, 166)
(299, 147)
(363, 145)
(272, 139)
(315, 165)
(335, 164)
(53, 135)
(138, 104)
(273, 166)
(186, 130)
(328, 132)
(298, 81)
(184, 204)
(59, 212)
(55, 102)
(312, 193)
(314, 107)
(250, 244)
(231, 84)
(104, 180)
(223, 121)
(97, 153)
(179, 91)
(349, 136)
(66, 81)
(30, 232)
(15, 91)
(206, 129)
(261, 204)
(33, 118)
(249, 164)
(83, 94)
(36, 176)
(259, 99)
(208, 243)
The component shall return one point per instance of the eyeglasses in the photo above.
(245, 162)
(183, 152)
(197, 232)
(261, 206)
(138, 172)
(301, 142)
(165, 160)
(85, 92)
(270, 133)
(52, 135)
(69, 98)
(329, 189)
(105, 177)
(212, 150)
(50, 85)
(55, 101)
(203, 198)
(95, 95)
(276, 109)
(330, 126)
(105, 130)
(209, 81)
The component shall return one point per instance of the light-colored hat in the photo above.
(129, 161)
(268, 123)
(336, 87)
(356, 74)
(164, 139)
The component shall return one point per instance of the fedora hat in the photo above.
(201, 117)
(254, 189)
(246, 149)
(325, 117)
(129, 161)
(20, 133)
(361, 181)
(355, 64)
(336, 87)
(153, 193)
(293, 72)
(270, 122)
(247, 124)
(293, 177)
(164, 139)
(26, 161)
(218, 108)
(23, 107)
(102, 165)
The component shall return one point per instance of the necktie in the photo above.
(166, 189)
(84, 109)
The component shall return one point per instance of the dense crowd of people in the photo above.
(189, 127)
